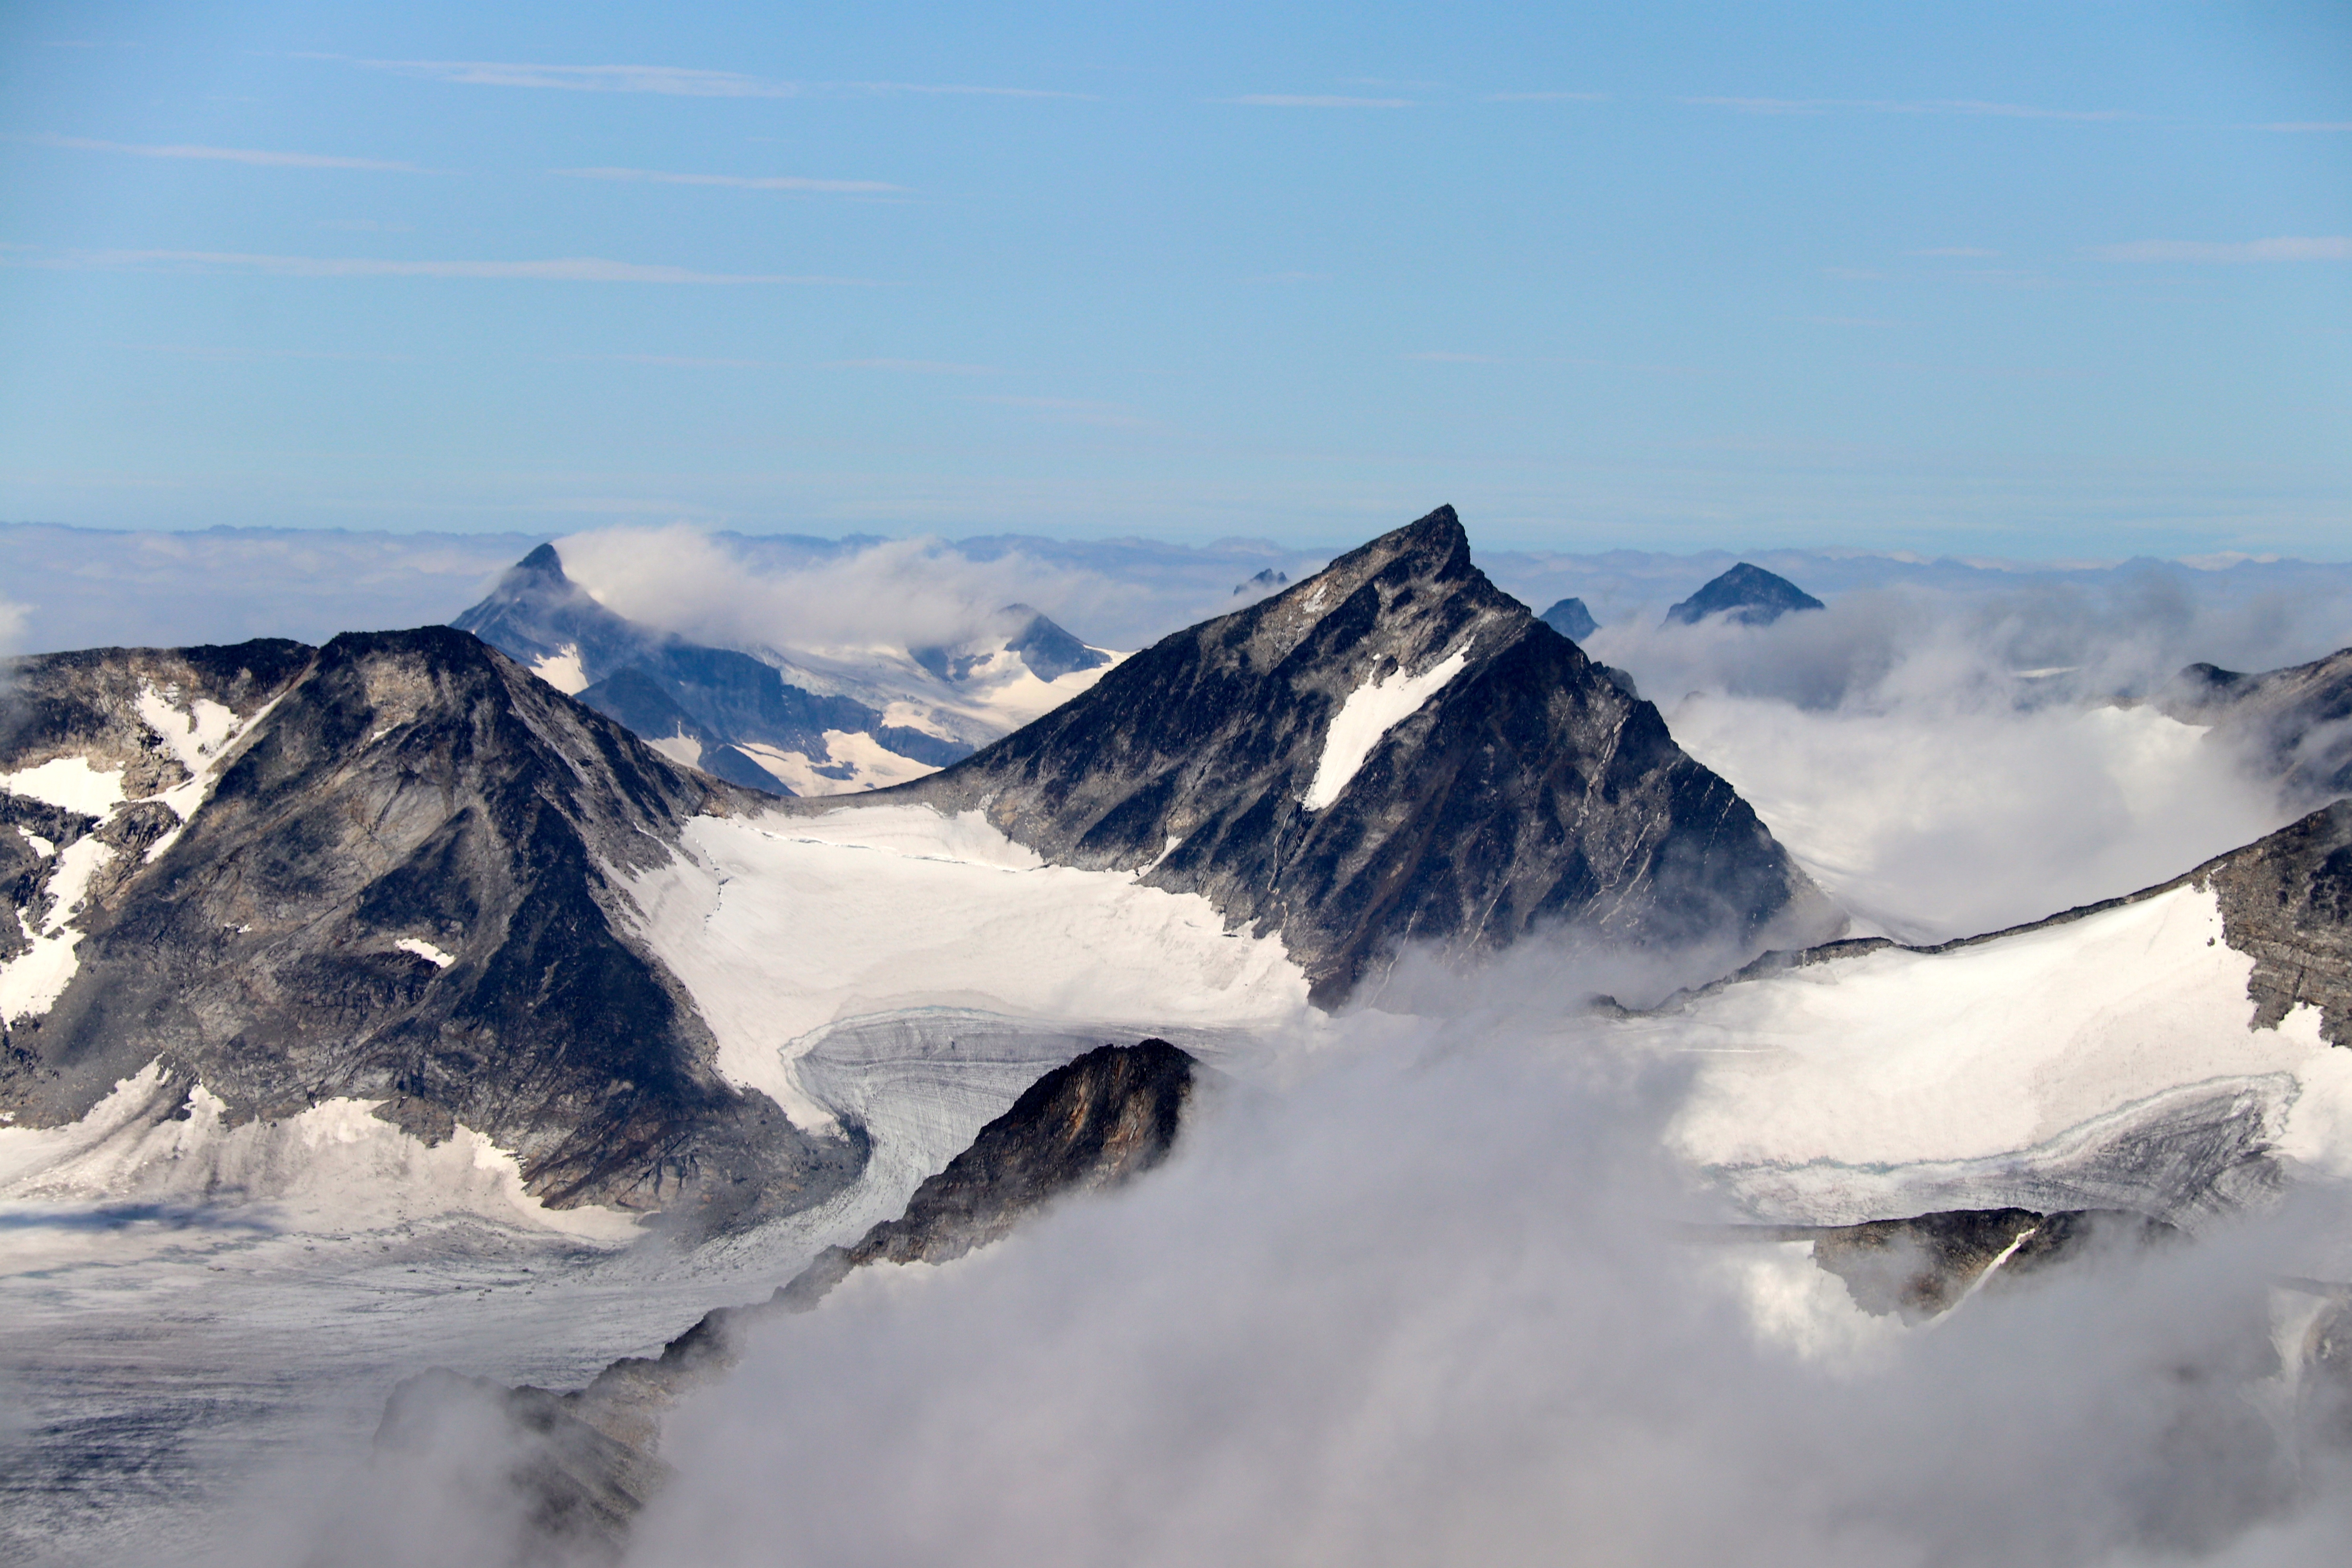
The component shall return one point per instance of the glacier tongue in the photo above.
(780, 926)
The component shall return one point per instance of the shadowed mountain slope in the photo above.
(2295, 723)
(1393, 751)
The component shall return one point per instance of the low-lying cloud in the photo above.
(1947, 762)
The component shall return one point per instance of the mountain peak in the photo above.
(1751, 596)
(1436, 542)
(543, 560)
(1390, 751)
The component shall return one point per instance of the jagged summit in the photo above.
(1750, 596)
(1392, 749)
(1570, 619)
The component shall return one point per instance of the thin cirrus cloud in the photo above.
(1314, 100)
(911, 366)
(1960, 106)
(2315, 247)
(253, 155)
(561, 269)
(1548, 98)
(739, 182)
(673, 81)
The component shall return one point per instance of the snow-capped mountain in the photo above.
(1747, 594)
(390, 872)
(1391, 750)
(795, 722)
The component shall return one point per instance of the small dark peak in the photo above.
(1262, 581)
(1050, 651)
(542, 561)
(1750, 596)
(1570, 619)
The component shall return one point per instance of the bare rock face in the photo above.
(2295, 723)
(408, 885)
(2286, 900)
(1276, 761)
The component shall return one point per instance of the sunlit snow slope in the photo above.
(781, 925)
(2109, 1061)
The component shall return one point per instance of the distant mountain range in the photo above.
(860, 724)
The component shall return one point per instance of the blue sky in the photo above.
(2063, 279)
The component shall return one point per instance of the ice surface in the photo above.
(1371, 710)
(1812, 1079)
(425, 951)
(781, 925)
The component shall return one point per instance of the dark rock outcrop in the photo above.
(2294, 724)
(1527, 791)
(1922, 1266)
(1570, 619)
(413, 788)
(1750, 596)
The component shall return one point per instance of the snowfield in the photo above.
(1371, 710)
(780, 926)
(2111, 1054)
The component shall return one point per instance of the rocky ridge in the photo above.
(407, 886)
(1393, 751)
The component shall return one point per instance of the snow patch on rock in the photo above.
(1371, 710)
(562, 671)
(69, 782)
(425, 949)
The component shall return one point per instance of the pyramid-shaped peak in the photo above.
(1435, 547)
(1753, 597)
(543, 561)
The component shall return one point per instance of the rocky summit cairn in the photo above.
(1750, 596)
(1393, 751)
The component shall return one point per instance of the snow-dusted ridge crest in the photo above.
(2303, 956)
